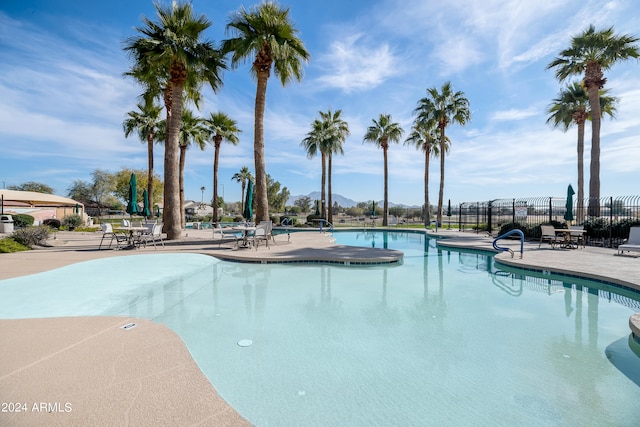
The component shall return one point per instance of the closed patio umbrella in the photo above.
(569, 213)
(132, 205)
(145, 204)
(248, 205)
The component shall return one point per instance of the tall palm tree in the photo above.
(314, 143)
(220, 127)
(382, 132)
(338, 132)
(424, 135)
(572, 106)
(592, 52)
(172, 50)
(243, 177)
(265, 35)
(443, 108)
(191, 132)
(145, 123)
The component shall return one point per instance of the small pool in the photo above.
(446, 338)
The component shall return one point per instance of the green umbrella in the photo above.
(145, 203)
(77, 209)
(317, 208)
(449, 208)
(373, 208)
(132, 205)
(569, 214)
(248, 204)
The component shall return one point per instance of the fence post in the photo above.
(460, 217)
(489, 209)
(611, 221)
(513, 213)
(477, 216)
(550, 210)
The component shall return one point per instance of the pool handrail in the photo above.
(509, 233)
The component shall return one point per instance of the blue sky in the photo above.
(64, 98)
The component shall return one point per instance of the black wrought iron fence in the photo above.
(609, 227)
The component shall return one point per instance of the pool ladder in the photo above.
(509, 233)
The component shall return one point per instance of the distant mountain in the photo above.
(342, 201)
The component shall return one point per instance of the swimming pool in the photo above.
(446, 338)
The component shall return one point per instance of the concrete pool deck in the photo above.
(91, 371)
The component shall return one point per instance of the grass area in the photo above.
(8, 245)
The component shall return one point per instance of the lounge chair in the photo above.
(549, 235)
(263, 232)
(107, 231)
(633, 242)
(576, 235)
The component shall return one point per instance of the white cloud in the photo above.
(352, 66)
(514, 114)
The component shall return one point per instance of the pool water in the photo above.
(446, 338)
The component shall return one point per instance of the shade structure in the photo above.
(248, 204)
(145, 204)
(568, 215)
(132, 205)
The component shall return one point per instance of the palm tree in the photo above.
(338, 132)
(192, 131)
(443, 108)
(424, 135)
(382, 132)
(220, 128)
(572, 106)
(314, 143)
(172, 51)
(243, 177)
(591, 53)
(266, 36)
(145, 123)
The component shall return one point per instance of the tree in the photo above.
(590, 54)
(443, 108)
(243, 177)
(572, 106)
(277, 198)
(381, 133)
(303, 203)
(171, 50)
(145, 123)
(220, 127)
(424, 135)
(265, 35)
(32, 186)
(314, 143)
(338, 131)
(191, 132)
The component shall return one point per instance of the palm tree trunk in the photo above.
(386, 186)
(216, 156)
(183, 155)
(580, 201)
(171, 215)
(427, 211)
(323, 193)
(150, 139)
(330, 199)
(441, 193)
(262, 203)
(594, 170)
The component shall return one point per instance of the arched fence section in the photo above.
(608, 228)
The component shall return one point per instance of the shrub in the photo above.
(32, 236)
(52, 222)
(9, 245)
(22, 220)
(72, 221)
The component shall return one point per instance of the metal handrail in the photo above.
(509, 233)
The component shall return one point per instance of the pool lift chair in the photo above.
(107, 231)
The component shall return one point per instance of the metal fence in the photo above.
(606, 221)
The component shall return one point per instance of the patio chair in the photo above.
(154, 236)
(107, 231)
(262, 233)
(548, 235)
(633, 242)
(576, 237)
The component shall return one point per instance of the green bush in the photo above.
(32, 236)
(22, 220)
(9, 245)
(72, 221)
